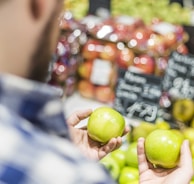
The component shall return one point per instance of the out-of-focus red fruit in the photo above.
(145, 63)
(109, 52)
(104, 94)
(91, 49)
(182, 49)
(125, 58)
(140, 38)
(160, 65)
(86, 89)
(85, 69)
(170, 40)
(60, 72)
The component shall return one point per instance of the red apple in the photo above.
(124, 26)
(85, 69)
(182, 49)
(86, 89)
(140, 38)
(170, 40)
(125, 57)
(104, 94)
(60, 72)
(161, 65)
(156, 45)
(90, 49)
(145, 63)
(109, 52)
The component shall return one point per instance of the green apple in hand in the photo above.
(131, 155)
(111, 165)
(105, 123)
(162, 148)
(128, 175)
(120, 157)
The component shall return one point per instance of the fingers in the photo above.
(112, 145)
(143, 164)
(126, 130)
(186, 158)
(76, 117)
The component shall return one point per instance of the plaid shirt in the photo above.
(31, 152)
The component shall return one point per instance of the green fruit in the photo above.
(131, 155)
(192, 149)
(192, 123)
(162, 124)
(142, 130)
(111, 165)
(178, 132)
(162, 148)
(119, 156)
(183, 110)
(189, 134)
(128, 175)
(105, 123)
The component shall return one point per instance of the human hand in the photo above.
(92, 149)
(182, 174)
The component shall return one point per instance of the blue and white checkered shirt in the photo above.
(31, 152)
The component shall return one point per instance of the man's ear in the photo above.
(36, 7)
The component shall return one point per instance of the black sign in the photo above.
(179, 76)
(138, 95)
(97, 5)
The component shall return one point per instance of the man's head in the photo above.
(28, 36)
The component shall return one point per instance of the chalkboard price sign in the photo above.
(97, 5)
(179, 76)
(138, 95)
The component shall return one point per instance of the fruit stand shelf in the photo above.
(76, 102)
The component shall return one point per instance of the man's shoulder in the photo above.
(31, 154)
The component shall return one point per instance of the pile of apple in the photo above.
(158, 38)
(122, 163)
(120, 43)
(97, 71)
(67, 55)
(149, 9)
(146, 10)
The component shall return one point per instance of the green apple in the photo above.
(131, 155)
(183, 110)
(111, 165)
(192, 149)
(142, 130)
(178, 132)
(162, 148)
(188, 133)
(120, 157)
(162, 124)
(128, 174)
(105, 123)
(192, 123)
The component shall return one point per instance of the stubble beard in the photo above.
(41, 58)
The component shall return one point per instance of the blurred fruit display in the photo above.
(97, 72)
(64, 73)
(146, 10)
(79, 8)
(149, 9)
(122, 163)
(158, 38)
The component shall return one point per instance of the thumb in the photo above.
(77, 116)
(186, 158)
